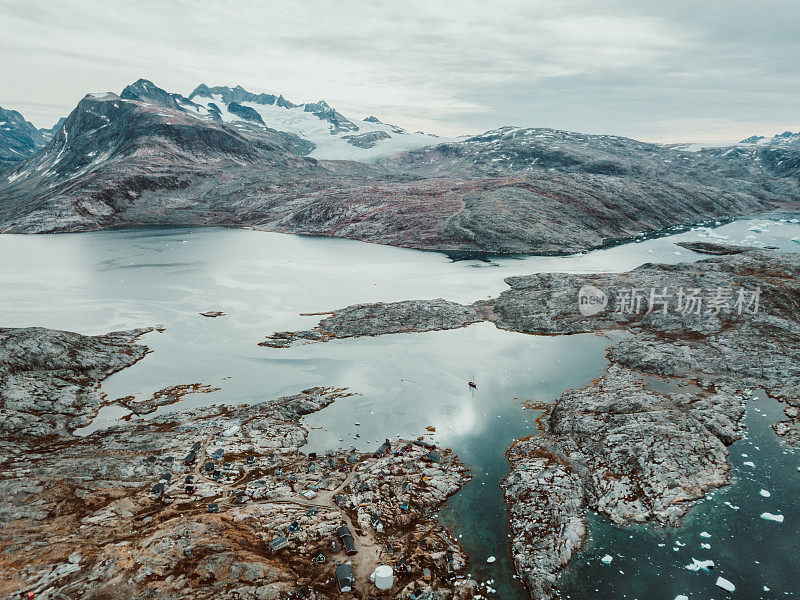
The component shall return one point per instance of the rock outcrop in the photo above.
(49, 379)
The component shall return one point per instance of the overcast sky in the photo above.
(678, 70)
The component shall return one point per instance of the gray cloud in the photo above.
(664, 71)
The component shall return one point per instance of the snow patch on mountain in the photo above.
(337, 139)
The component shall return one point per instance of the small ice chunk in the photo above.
(681, 597)
(607, 559)
(696, 565)
(749, 463)
(725, 584)
(705, 534)
(765, 493)
(705, 546)
(491, 559)
(771, 517)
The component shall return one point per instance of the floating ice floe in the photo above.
(681, 597)
(771, 517)
(705, 534)
(708, 232)
(697, 565)
(491, 559)
(725, 584)
(705, 546)
(749, 463)
(607, 559)
(765, 493)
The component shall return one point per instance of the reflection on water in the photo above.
(97, 282)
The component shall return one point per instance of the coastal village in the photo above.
(220, 502)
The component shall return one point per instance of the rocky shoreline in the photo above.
(217, 502)
(648, 439)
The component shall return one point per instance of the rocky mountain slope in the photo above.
(19, 139)
(225, 156)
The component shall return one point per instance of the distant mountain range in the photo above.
(19, 139)
(225, 156)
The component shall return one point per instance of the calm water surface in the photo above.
(97, 282)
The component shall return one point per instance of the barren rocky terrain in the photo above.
(217, 502)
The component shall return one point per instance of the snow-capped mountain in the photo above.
(334, 136)
(322, 131)
(787, 138)
(19, 138)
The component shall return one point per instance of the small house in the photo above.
(432, 457)
(345, 577)
(383, 449)
(303, 593)
(349, 545)
(279, 543)
(346, 538)
(376, 522)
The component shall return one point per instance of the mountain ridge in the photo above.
(158, 158)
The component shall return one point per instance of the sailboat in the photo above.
(471, 382)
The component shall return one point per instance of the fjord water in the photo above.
(103, 281)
